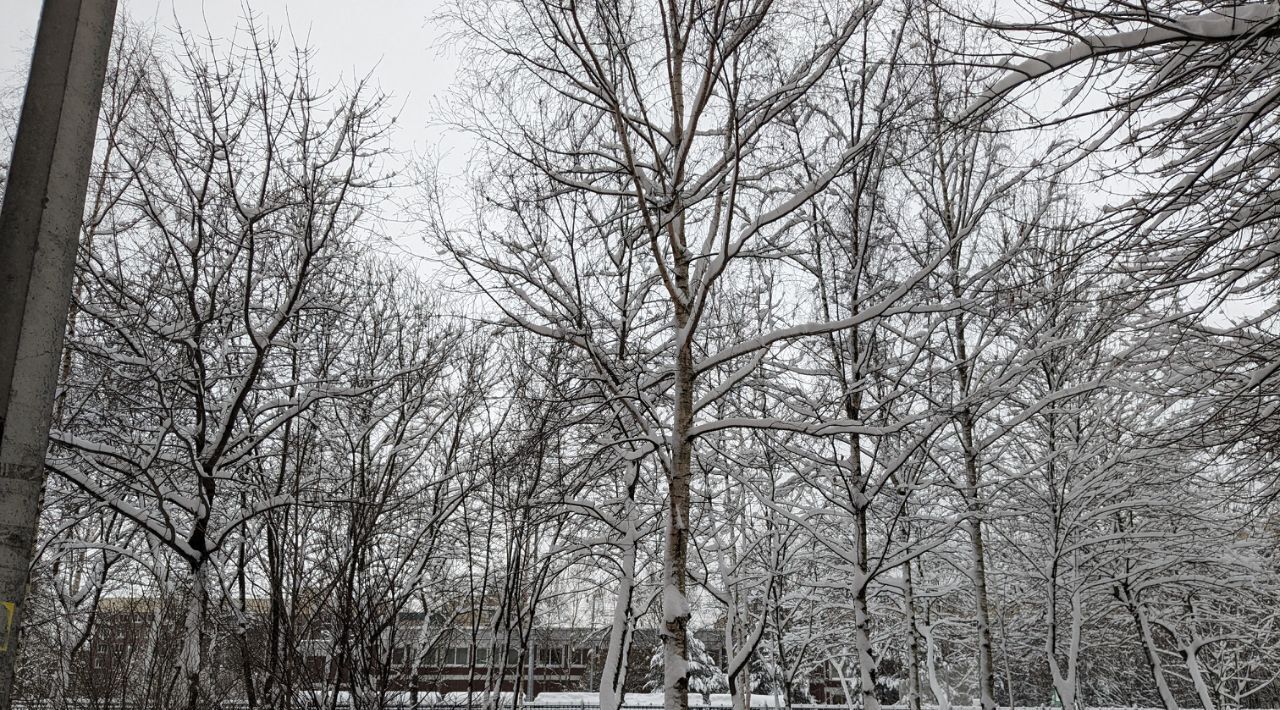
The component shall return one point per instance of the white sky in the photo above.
(397, 42)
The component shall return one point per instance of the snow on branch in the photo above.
(1219, 25)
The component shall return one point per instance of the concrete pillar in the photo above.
(39, 234)
(529, 687)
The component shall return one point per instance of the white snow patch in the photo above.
(674, 604)
(633, 700)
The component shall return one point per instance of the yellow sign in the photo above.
(8, 610)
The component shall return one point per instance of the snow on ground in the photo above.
(403, 698)
(650, 700)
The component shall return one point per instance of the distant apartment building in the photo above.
(422, 653)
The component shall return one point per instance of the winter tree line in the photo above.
(877, 339)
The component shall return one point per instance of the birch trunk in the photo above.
(978, 557)
(1064, 681)
(939, 691)
(973, 502)
(866, 654)
(986, 671)
(675, 602)
(191, 661)
(913, 641)
(613, 677)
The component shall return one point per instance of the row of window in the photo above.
(105, 655)
(462, 656)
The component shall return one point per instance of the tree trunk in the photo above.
(973, 501)
(1191, 652)
(862, 615)
(247, 650)
(191, 662)
(613, 677)
(675, 603)
(1149, 649)
(977, 549)
(1064, 681)
(940, 694)
(986, 671)
(866, 655)
(913, 640)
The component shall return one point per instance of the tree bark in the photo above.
(940, 694)
(1149, 649)
(675, 602)
(862, 618)
(913, 640)
(191, 661)
(977, 546)
(613, 678)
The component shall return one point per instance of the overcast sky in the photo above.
(395, 41)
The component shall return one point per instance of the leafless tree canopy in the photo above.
(844, 353)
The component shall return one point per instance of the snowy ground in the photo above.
(549, 701)
(641, 700)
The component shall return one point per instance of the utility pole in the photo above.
(39, 236)
(528, 693)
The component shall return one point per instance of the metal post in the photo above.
(39, 230)
(528, 693)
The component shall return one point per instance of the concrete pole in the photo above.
(39, 235)
(528, 693)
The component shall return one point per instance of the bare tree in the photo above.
(604, 166)
(243, 187)
(1190, 123)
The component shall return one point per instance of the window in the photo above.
(550, 656)
(315, 648)
(482, 656)
(580, 657)
(434, 656)
(457, 656)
